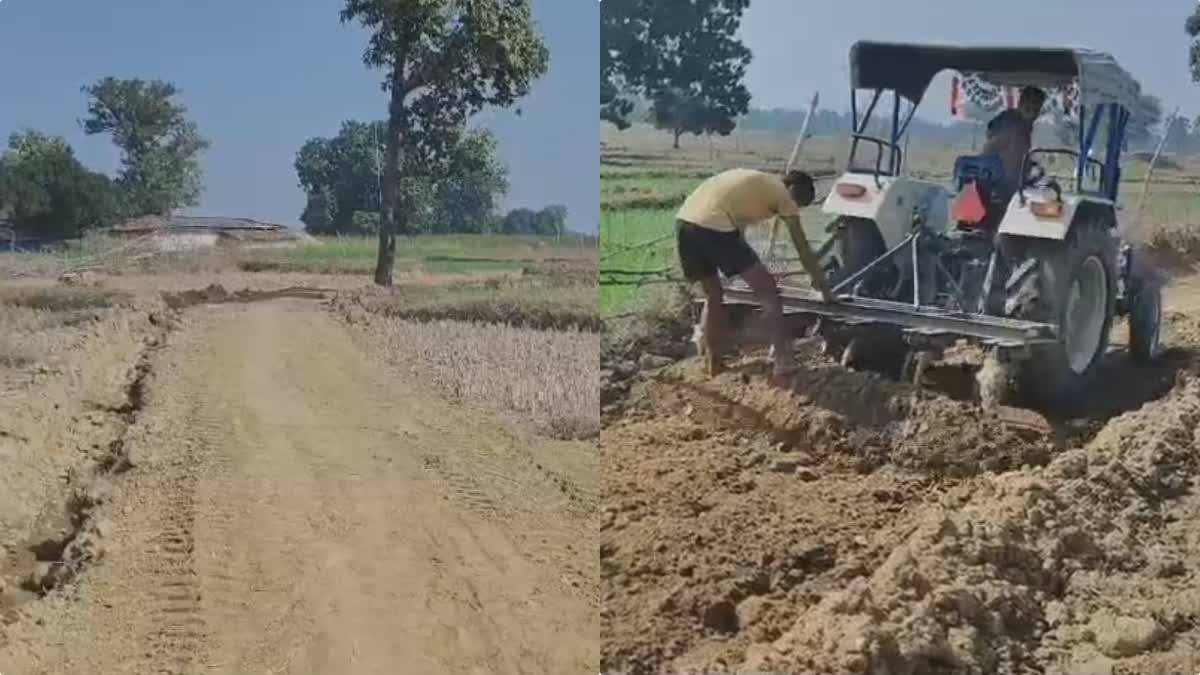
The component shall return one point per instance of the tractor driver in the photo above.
(1010, 136)
(710, 238)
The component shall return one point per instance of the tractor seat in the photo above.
(985, 169)
(986, 172)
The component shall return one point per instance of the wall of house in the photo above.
(173, 242)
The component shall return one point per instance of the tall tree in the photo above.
(683, 55)
(1178, 134)
(696, 77)
(1144, 120)
(623, 56)
(341, 179)
(1192, 27)
(551, 220)
(466, 195)
(47, 192)
(519, 221)
(318, 215)
(340, 175)
(445, 60)
(160, 146)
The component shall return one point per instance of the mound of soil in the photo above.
(849, 524)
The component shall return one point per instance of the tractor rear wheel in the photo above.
(859, 243)
(882, 349)
(1073, 285)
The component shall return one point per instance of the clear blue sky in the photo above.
(801, 47)
(262, 76)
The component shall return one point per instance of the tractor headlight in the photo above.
(1050, 209)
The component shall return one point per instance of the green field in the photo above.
(435, 254)
(622, 229)
(643, 180)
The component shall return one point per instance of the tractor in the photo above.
(1036, 278)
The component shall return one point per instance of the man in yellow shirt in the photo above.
(710, 227)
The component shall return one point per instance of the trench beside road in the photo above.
(298, 506)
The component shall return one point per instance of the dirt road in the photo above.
(299, 506)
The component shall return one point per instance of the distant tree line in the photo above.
(1056, 128)
(342, 178)
(1183, 136)
(679, 65)
(832, 123)
(47, 193)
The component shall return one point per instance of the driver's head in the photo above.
(1032, 100)
(800, 185)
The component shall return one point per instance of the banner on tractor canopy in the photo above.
(970, 93)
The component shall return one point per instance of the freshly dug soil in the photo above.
(850, 524)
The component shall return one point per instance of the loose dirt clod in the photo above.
(1118, 636)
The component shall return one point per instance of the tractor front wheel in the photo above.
(1145, 322)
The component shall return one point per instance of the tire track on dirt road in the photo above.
(285, 515)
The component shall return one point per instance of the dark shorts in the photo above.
(703, 251)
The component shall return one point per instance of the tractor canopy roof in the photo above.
(909, 68)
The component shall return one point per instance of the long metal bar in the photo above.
(826, 247)
(998, 331)
(893, 165)
(1082, 131)
(853, 107)
(912, 110)
(988, 280)
(955, 287)
(866, 119)
(1112, 156)
(916, 270)
(1088, 141)
(858, 128)
(872, 265)
(1114, 129)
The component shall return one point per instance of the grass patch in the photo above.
(34, 322)
(1163, 207)
(62, 299)
(438, 254)
(621, 235)
(538, 305)
(433, 254)
(568, 273)
(653, 201)
(285, 266)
